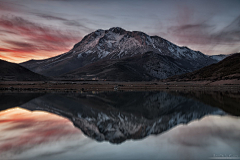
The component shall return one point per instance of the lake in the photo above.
(120, 125)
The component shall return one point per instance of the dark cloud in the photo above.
(191, 33)
(64, 20)
(50, 17)
(35, 31)
(204, 34)
(230, 33)
(20, 44)
(73, 23)
(5, 50)
(23, 49)
(8, 32)
(20, 25)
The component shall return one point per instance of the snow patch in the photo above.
(170, 49)
(102, 53)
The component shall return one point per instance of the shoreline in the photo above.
(88, 86)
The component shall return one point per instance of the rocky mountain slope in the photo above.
(228, 68)
(118, 116)
(144, 67)
(14, 72)
(118, 44)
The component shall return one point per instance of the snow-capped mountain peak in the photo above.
(117, 30)
(117, 44)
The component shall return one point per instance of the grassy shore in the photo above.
(85, 86)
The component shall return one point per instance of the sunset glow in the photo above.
(22, 129)
(23, 40)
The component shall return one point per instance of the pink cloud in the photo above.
(37, 40)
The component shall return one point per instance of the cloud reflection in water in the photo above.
(41, 135)
(22, 130)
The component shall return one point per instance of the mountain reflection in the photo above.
(118, 116)
(41, 135)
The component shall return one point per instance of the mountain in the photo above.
(14, 72)
(141, 67)
(118, 44)
(228, 68)
(118, 116)
(218, 57)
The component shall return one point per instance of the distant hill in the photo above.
(228, 68)
(218, 57)
(14, 72)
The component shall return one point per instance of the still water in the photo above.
(120, 125)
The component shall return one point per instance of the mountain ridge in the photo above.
(115, 44)
(228, 68)
(14, 72)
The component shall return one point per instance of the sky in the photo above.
(39, 29)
